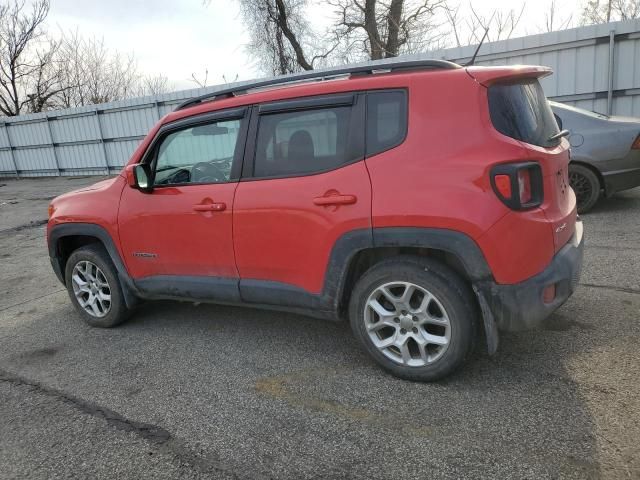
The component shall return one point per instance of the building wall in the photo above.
(595, 67)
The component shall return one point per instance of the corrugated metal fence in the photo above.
(596, 67)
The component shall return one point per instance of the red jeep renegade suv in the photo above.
(426, 202)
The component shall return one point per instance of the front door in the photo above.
(183, 227)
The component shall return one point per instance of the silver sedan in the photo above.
(605, 153)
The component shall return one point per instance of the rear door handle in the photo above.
(210, 207)
(335, 200)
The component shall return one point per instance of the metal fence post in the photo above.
(104, 147)
(157, 105)
(53, 145)
(13, 158)
(612, 46)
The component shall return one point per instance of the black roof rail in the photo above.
(320, 75)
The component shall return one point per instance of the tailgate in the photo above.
(559, 203)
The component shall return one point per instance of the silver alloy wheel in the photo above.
(91, 288)
(407, 323)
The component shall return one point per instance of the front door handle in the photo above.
(210, 207)
(335, 199)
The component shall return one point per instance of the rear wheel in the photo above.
(586, 185)
(94, 288)
(414, 317)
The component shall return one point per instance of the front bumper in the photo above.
(521, 306)
(55, 264)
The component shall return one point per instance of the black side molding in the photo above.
(189, 287)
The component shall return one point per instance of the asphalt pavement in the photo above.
(184, 391)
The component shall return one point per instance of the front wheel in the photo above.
(415, 317)
(94, 288)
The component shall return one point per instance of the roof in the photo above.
(321, 75)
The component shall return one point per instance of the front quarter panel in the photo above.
(97, 204)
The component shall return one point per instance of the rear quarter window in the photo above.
(520, 110)
(386, 120)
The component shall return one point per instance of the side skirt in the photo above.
(234, 292)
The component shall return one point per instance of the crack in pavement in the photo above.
(634, 291)
(32, 299)
(612, 247)
(158, 436)
(31, 224)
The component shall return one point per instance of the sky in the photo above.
(180, 37)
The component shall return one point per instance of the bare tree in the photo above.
(96, 74)
(597, 11)
(282, 41)
(552, 19)
(501, 24)
(224, 78)
(46, 82)
(201, 82)
(465, 29)
(468, 24)
(452, 15)
(154, 85)
(28, 74)
(386, 28)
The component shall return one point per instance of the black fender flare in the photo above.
(459, 244)
(58, 232)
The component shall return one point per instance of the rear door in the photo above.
(304, 185)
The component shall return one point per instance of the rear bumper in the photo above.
(521, 306)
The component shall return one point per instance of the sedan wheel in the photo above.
(586, 186)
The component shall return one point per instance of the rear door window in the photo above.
(520, 110)
(302, 142)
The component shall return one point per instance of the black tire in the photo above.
(446, 286)
(117, 311)
(586, 185)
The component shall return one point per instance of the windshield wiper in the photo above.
(560, 134)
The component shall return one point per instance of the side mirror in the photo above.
(138, 176)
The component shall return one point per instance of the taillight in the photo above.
(636, 143)
(503, 185)
(518, 185)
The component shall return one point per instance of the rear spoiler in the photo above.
(488, 75)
